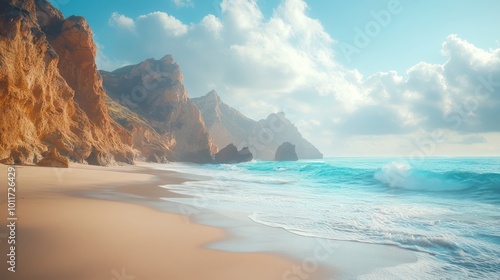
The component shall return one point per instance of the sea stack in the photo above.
(227, 125)
(286, 152)
(230, 154)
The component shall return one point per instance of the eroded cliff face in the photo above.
(51, 95)
(276, 129)
(227, 125)
(149, 144)
(153, 90)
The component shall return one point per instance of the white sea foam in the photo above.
(401, 175)
(451, 216)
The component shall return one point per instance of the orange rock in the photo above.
(53, 96)
(154, 92)
(54, 159)
(40, 107)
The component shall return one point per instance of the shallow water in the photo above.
(446, 209)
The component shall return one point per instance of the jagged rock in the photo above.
(276, 129)
(54, 159)
(39, 108)
(148, 144)
(286, 152)
(230, 154)
(7, 161)
(151, 95)
(228, 125)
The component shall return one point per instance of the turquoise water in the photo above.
(447, 210)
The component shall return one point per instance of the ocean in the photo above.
(446, 210)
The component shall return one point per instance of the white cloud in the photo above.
(122, 22)
(155, 23)
(459, 50)
(161, 23)
(241, 15)
(183, 3)
(472, 139)
(212, 24)
(104, 62)
(286, 62)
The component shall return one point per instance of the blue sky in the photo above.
(421, 26)
(376, 77)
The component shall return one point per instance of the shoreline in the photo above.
(347, 259)
(63, 233)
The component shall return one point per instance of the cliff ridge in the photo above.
(154, 92)
(227, 125)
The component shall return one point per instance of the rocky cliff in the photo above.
(51, 95)
(148, 144)
(277, 129)
(228, 125)
(154, 92)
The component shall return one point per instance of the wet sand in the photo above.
(62, 233)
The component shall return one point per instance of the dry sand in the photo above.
(62, 234)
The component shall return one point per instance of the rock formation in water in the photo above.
(230, 154)
(51, 95)
(52, 99)
(153, 91)
(228, 125)
(276, 129)
(286, 152)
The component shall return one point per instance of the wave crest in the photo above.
(402, 176)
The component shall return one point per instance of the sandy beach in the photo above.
(61, 233)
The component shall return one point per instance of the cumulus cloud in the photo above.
(212, 24)
(122, 22)
(241, 15)
(288, 51)
(183, 3)
(461, 94)
(286, 62)
(155, 23)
